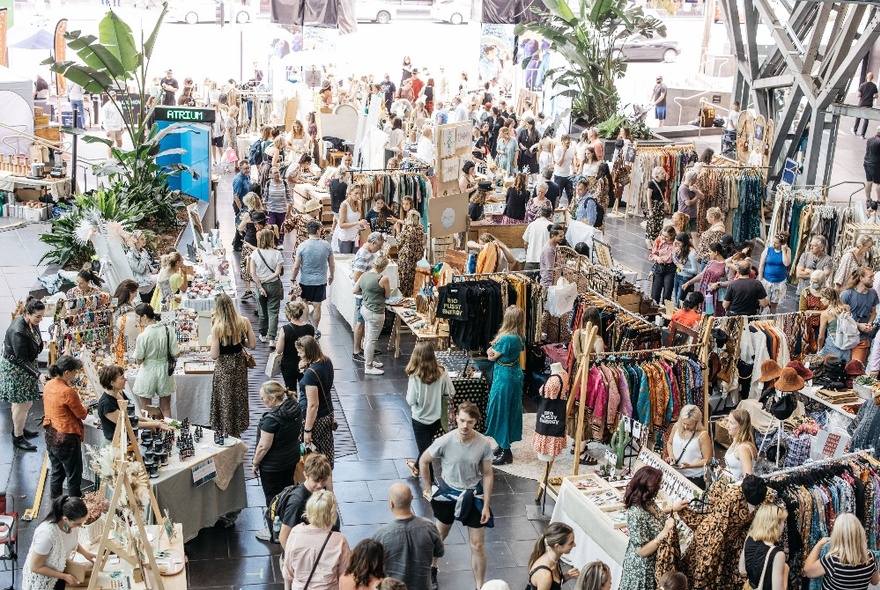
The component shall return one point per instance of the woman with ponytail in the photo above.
(54, 540)
(545, 572)
(87, 283)
(170, 282)
(277, 451)
(64, 426)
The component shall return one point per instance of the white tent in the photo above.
(16, 111)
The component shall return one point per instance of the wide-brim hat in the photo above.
(854, 368)
(311, 205)
(801, 370)
(259, 217)
(789, 381)
(770, 370)
(833, 364)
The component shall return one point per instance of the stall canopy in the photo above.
(36, 39)
(16, 111)
(327, 14)
(506, 12)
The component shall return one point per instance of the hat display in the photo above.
(770, 370)
(855, 368)
(311, 205)
(801, 370)
(789, 381)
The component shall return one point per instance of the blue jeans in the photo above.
(680, 280)
(79, 114)
(829, 348)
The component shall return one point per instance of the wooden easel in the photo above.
(121, 437)
(585, 338)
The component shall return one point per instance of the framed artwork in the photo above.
(449, 169)
(447, 142)
(463, 135)
(602, 254)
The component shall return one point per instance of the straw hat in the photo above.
(311, 205)
(801, 370)
(770, 370)
(789, 381)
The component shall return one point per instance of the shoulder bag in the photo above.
(172, 362)
(318, 558)
(326, 401)
(260, 254)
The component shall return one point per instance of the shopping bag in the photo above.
(560, 297)
(273, 364)
(231, 156)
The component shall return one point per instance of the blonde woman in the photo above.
(351, 220)
(230, 335)
(300, 142)
(504, 410)
(505, 157)
(295, 311)
(277, 150)
(657, 205)
(848, 563)
(253, 219)
(230, 125)
(741, 454)
(314, 551)
(596, 575)
(428, 383)
(170, 282)
(762, 560)
(830, 298)
(711, 235)
(410, 249)
(689, 448)
(425, 147)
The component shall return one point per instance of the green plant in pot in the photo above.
(585, 37)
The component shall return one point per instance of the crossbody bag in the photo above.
(266, 264)
(326, 401)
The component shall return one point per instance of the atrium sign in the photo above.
(184, 114)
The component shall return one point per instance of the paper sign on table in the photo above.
(204, 472)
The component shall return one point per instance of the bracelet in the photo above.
(309, 430)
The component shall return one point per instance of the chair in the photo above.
(8, 537)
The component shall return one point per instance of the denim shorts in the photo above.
(357, 306)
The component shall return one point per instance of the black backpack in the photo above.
(276, 509)
(600, 213)
(255, 153)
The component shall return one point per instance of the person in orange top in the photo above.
(687, 315)
(64, 426)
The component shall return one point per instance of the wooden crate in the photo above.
(50, 133)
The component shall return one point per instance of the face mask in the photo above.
(815, 285)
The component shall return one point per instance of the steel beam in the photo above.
(794, 62)
(782, 81)
(841, 75)
(789, 112)
(840, 49)
(845, 110)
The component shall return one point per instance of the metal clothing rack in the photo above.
(460, 278)
(419, 170)
(649, 351)
(812, 464)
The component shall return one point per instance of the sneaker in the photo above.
(433, 578)
(854, 132)
(263, 535)
(378, 365)
(358, 357)
(373, 371)
(263, 339)
(271, 343)
(317, 334)
(247, 295)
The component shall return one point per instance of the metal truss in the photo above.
(800, 80)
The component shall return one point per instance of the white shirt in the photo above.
(536, 237)
(425, 149)
(461, 114)
(264, 270)
(74, 91)
(567, 156)
(111, 117)
(732, 120)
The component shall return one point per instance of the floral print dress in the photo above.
(638, 572)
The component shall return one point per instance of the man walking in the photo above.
(862, 300)
(319, 476)
(745, 295)
(241, 185)
(872, 166)
(466, 461)
(360, 264)
(658, 99)
(314, 264)
(75, 96)
(867, 94)
(411, 543)
(111, 120)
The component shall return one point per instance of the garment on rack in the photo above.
(738, 192)
(760, 341)
(674, 159)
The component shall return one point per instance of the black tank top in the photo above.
(554, 585)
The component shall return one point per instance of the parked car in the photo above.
(375, 11)
(205, 11)
(641, 48)
(451, 11)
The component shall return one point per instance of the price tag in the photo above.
(204, 472)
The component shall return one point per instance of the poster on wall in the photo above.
(463, 134)
(496, 58)
(447, 142)
(447, 215)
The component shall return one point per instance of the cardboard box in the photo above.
(722, 436)
(82, 571)
(28, 194)
(50, 133)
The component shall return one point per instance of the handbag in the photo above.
(260, 254)
(249, 359)
(326, 401)
(273, 364)
(317, 559)
(172, 362)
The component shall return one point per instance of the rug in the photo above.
(527, 465)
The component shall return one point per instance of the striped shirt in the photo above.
(276, 197)
(846, 577)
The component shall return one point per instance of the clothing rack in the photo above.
(685, 155)
(411, 170)
(820, 463)
(739, 191)
(654, 352)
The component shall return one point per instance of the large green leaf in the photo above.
(150, 43)
(117, 37)
(95, 55)
(600, 10)
(565, 12)
(90, 79)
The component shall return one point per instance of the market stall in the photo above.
(341, 291)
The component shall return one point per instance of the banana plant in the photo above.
(585, 37)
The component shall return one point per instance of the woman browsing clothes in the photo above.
(19, 375)
(762, 559)
(689, 448)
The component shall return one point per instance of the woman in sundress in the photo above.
(504, 410)
(411, 248)
(230, 334)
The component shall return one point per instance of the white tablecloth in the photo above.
(191, 400)
(341, 290)
(59, 188)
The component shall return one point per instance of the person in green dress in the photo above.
(647, 525)
(151, 351)
(504, 410)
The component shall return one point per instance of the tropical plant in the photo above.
(585, 37)
(610, 127)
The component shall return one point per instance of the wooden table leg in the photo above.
(396, 333)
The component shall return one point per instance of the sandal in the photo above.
(588, 460)
(414, 469)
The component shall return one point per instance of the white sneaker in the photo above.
(271, 344)
(263, 535)
(373, 371)
(263, 339)
(377, 364)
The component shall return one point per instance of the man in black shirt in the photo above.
(867, 94)
(745, 295)
(318, 477)
(872, 166)
(169, 86)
